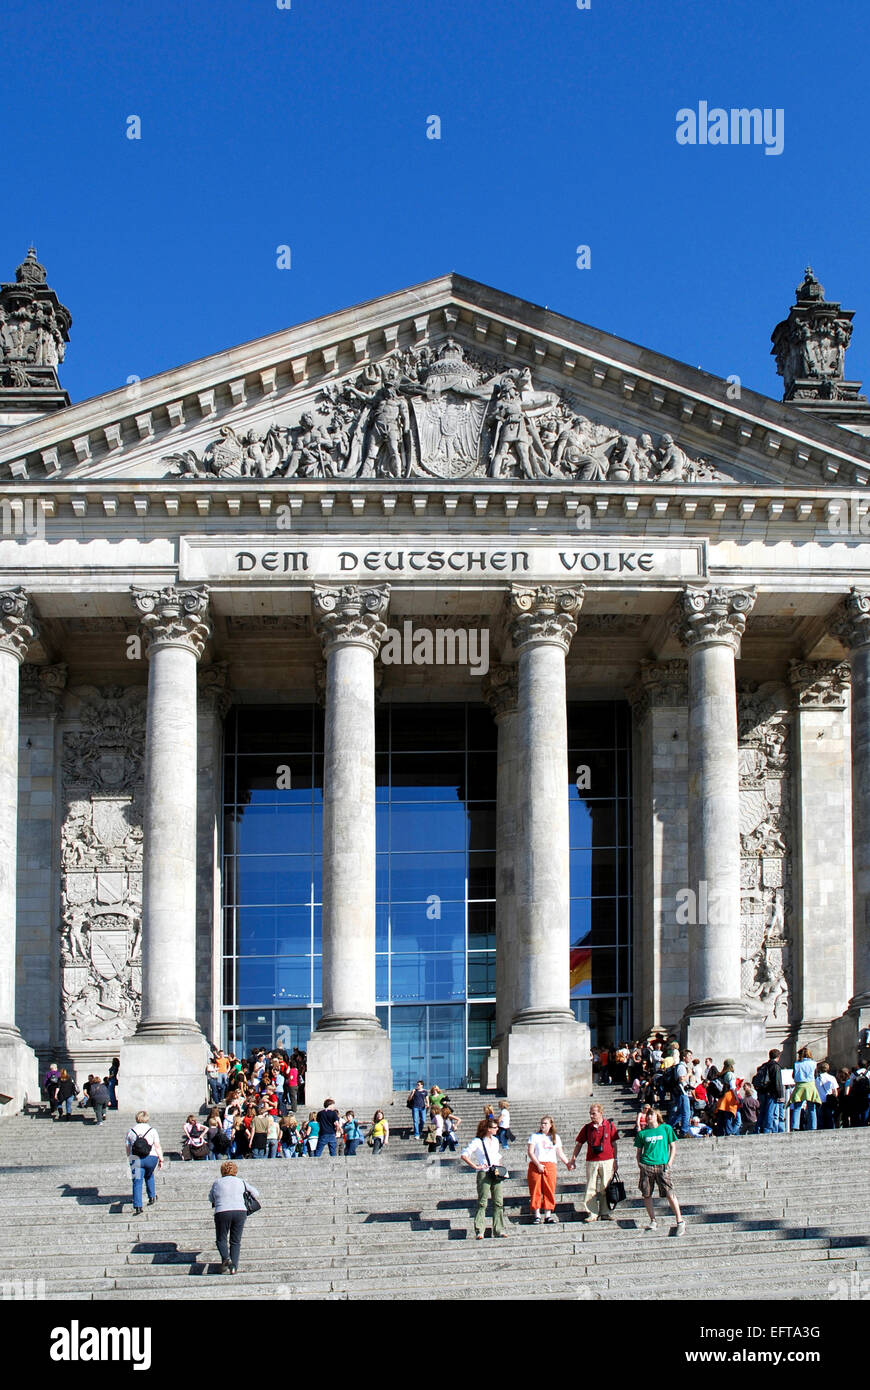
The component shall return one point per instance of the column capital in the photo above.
(659, 685)
(173, 617)
(18, 625)
(213, 690)
(851, 621)
(500, 689)
(712, 615)
(819, 684)
(42, 688)
(544, 614)
(351, 615)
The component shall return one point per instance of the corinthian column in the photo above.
(546, 1052)
(349, 1054)
(716, 1020)
(500, 688)
(163, 1063)
(19, 1073)
(851, 624)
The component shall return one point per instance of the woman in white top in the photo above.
(143, 1164)
(544, 1149)
(504, 1125)
(483, 1155)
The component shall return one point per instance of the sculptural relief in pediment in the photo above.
(442, 413)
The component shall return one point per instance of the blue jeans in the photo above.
(679, 1112)
(419, 1117)
(271, 1148)
(112, 1084)
(732, 1123)
(143, 1168)
(796, 1115)
(772, 1116)
(329, 1141)
(217, 1086)
(350, 1147)
(502, 1138)
(377, 1145)
(68, 1103)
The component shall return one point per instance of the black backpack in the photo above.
(140, 1146)
(761, 1080)
(220, 1143)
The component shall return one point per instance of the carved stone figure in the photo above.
(101, 859)
(442, 413)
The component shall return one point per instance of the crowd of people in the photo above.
(100, 1093)
(253, 1115)
(701, 1098)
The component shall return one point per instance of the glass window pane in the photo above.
(420, 777)
(482, 729)
(267, 729)
(481, 973)
(591, 773)
(415, 877)
(481, 926)
(481, 875)
(593, 922)
(257, 779)
(435, 926)
(481, 1025)
(481, 825)
(433, 827)
(428, 976)
(594, 872)
(482, 776)
(275, 829)
(591, 725)
(275, 931)
(417, 728)
(592, 823)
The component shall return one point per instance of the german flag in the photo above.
(581, 966)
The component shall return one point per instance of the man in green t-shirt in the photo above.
(654, 1146)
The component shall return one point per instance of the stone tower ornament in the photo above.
(810, 347)
(34, 331)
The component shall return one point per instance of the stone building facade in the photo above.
(441, 684)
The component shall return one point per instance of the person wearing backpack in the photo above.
(768, 1083)
(146, 1156)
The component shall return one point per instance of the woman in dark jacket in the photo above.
(98, 1094)
(66, 1094)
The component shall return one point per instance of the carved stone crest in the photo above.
(101, 862)
(444, 413)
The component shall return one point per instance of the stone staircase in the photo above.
(777, 1216)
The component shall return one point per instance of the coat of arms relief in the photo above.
(445, 413)
(101, 867)
(765, 864)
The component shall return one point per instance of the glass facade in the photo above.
(435, 916)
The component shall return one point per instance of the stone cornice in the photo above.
(278, 369)
(755, 509)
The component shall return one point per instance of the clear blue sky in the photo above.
(307, 127)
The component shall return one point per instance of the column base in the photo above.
(843, 1036)
(353, 1067)
(163, 1068)
(19, 1073)
(546, 1062)
(489, 1071)
(721, 1028)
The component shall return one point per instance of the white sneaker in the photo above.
(680, 1228)
(651, 1225)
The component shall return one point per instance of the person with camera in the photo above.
(600, 1137)
(545, 1147)
(483, 1154)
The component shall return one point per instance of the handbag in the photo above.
(615, 1191)
(251, 1203)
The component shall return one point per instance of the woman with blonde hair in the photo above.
(227, 1196)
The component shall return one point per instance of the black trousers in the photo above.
(229, 1223)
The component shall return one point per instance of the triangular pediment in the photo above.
(447, 382)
